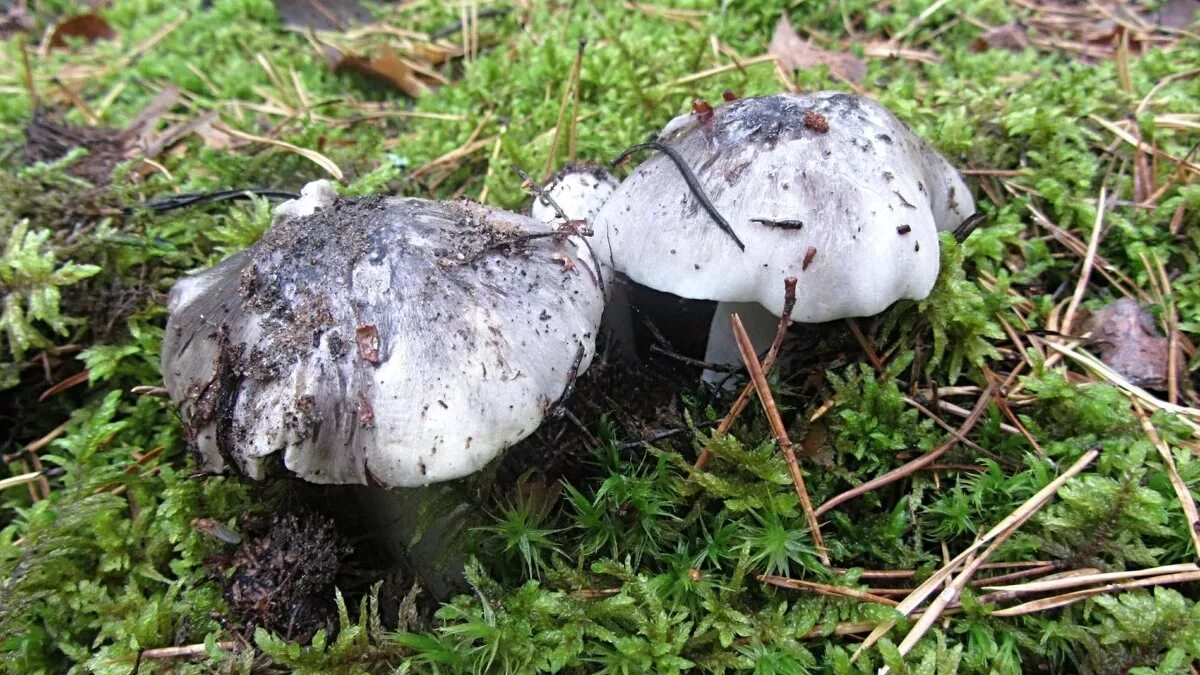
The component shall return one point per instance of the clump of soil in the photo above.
(283, 577)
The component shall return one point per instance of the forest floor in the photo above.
(1054, 530)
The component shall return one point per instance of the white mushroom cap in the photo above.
(828, 187)
(379, 341)
(579, 190)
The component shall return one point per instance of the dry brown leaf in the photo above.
(386, 66)
(328, 15)
(795, 53)
(89, 27)
(1010, 36)
(1125, 339)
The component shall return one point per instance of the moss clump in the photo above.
(648, 565)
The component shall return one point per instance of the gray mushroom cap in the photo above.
(385, 341)
(828, 187)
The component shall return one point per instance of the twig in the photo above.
(785, 444)
(693, 183)
(59, 387)
(917, 21)
(1002, 593)
(789, 304)
(21, 479)
(562, 108)
(866, 346)
(1089, 261)
(908, 574)
(311, 155)
(1189, 416)
(997, 534)
(1073, 597)
(27, 72)
(696, 363)
(722, 69)
(183, 652)
(196, 198)
(907, 469)
(1186, 500)
(456, 25)
(825, 589)
(569, 227)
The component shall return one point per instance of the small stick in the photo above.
(999, 533)
(1186, 501)
(907, 469)
(573, 135)
(867, 347)
(825, 589)
(1089, 260)
(541, 193)
(562, 108)
(785, 444)
(21, 479)
(1016, 590)
(1030, 572)
(1075, 596)
(582, 232)
(30, 88)
(693, 183)
(908, 574)
(789, 303)
(715, 367)
(184, 652)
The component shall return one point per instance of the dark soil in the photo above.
(48, 138)
(282, 577)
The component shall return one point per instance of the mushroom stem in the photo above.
(722, 347)
(427, 526)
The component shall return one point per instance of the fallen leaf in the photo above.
(388, 67)
(794, 53)
(327, 15)
(213, 138)
(89, 27)
(1125, 338)
(1010, 36)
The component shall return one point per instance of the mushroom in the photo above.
(578, 189)
(384, 342)
(828, 187)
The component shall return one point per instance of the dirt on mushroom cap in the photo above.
(476, 325)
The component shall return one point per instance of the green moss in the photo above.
(90, 576)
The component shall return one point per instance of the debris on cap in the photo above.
(379, 341)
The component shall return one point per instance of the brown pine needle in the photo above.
(1043, 585)
(789, 303)
(1075, 596)
(59, 387)
(1089, 260)
(916, 464)
(1181, 489)
(997, 534)
(785, 444)
(867, 347)
(572, 83)
(825, 589)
